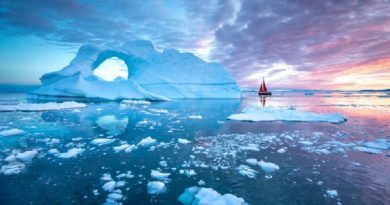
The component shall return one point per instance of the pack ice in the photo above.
(152, 75)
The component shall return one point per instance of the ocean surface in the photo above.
(319, 163)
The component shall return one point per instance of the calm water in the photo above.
(215, 151)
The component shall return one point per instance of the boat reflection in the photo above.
(262, 100)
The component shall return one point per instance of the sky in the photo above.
(311, 44)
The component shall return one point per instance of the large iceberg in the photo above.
(152, 75)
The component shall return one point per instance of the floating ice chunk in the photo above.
(159, 175)
(125, 147)
(12, 168)
(148, 141)
(367, 149)
(207, 196)
(53, 151)
(331, 193)
(27, 156)
(201, 183)
(246, 171)
(136, 102)
(189, 172)
(255, 114)
(183, 141)
(198, 117)
(160, 111)
(102, 141)
(378, 144)
(73, 152)
(106, 177)
(250, 148)
(11, 132)
(156, 187)
(251, 161)
(306, 143)
(115, 196)
(268, 167)
(282, 150)
(41, 106)
(109, 186)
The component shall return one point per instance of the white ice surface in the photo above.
(73, 152)
(268, 167)
(156, 187)
(11, 132)
(148, 141)
(160, 175)
(208, 196)
(152, 75)
(255, 114)
(102, 141)
(41, 106)
(183, 141)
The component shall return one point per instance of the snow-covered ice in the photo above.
(152, 75)
(268, 167)
(148, 141)
(255, 114)
(12, 168)
(246, 171)
(198, 117)
(156, 187)
(109, 186)
(73, 152)
(331, 193)
(41, 106)
(102, 141)
(125, 147)
(208, 196)
(11, 132)
(183, 141)
(160, 175)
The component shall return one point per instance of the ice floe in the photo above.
(255, 114)
(331, 193)
(156, 187)
(125, 147)
(160, 175)
(268, 167)
(198, 117)
(148, 141)
(73, 152)
(109, 186)
(12, 168)
(246, 171)
(183, 141)
(208, 196)
(102, 141)
(41, 106)
(11, 132)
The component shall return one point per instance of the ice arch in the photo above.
(111, 69)
(151, 75)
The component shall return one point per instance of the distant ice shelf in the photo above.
(255, 114)
(26, 107)
(152, 75)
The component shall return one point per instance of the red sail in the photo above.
(265, 87)
(261, 89)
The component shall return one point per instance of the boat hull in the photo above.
(264, 93)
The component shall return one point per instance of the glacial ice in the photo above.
(208, 196)
(152, 75)
(73, 152)
(11, 132)
(255, 114)
(156, 187)
(26, 107)
(159, 175)
(102, 141)
(148, 141)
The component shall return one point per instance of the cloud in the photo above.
(251, 38)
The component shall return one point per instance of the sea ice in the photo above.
(246, 171)
(198, 117)
(73, 152)
(331, 193)
(125, 147)
(102, 141)
(159, 175)
(268, 167)
(41, 106)
(109, 186)
(208, 196)
(12, 168)
(251, 161)
(183, 141)
(156, 187)
(255, 114)
(152, 75)
(27, 156)
(11, 132)
(148, 141)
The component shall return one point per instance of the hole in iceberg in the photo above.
(111, 69)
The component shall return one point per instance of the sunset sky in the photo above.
(315, 44)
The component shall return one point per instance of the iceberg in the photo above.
(152, 75)
(256, 114)
(202, 196)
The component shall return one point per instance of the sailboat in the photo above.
(263, 89)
